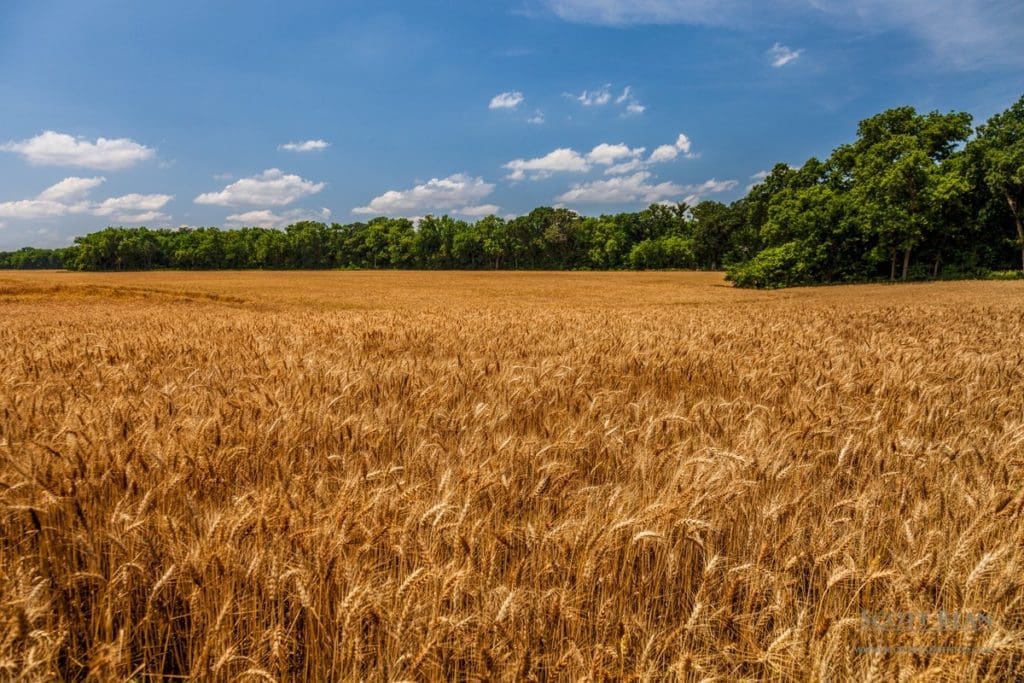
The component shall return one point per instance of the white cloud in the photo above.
(760, 175)
(478, 211)
(69, 196)
(621, 190)
(713, 186)
(619, 158)
(960, 33)
(442, 194)
(639, 188)
(635, 109)
(603, 96)
(265, 218)
(71, 188)
(506, 100)
(270, 188)
(32, 208)
(305, 146)
(626, 167)
(595, 98)
(665, 153)
(130, 203)
(560, 160)
(146, 217)
(537, 118)
(782, 55)
(606, 154)
(50, 148)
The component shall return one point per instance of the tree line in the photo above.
(915, 196)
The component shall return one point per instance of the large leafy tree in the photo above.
(898, 169)
(999, 148)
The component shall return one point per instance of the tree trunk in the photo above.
(1020, 226)
(892, 266)
(935, 268)
(906, 262)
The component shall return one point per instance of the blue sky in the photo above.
(257, 112)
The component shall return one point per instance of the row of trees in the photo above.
(674, 236)
(914, 196)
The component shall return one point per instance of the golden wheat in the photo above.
(414, 476)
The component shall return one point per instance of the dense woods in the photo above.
(915, 196)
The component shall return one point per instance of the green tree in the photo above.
(897, 167)
(999, 149)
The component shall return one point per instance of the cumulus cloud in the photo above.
(780, 55)
(639, 187)
(129, 203)
(71, 188)
(478, 211)
(305, 146)
(619, 159)
(50, 148)
(563, 159)
(454, 193)
(626, 167)
(146, 217)
(270, 188)
(32, 208)
(265, 218)
(70, 196)
(537, 118)
(669, 152)
(506, 100)
(607, 155)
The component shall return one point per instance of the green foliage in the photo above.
(1004, 275)
(785, 265)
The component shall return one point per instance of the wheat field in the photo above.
(508, 476)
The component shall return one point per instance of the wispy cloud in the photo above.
(780, 55)
(603, 96)
(959, 33)
(594, 98)
(506, 100)
(305, 146)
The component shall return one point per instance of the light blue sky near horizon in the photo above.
(195, 101)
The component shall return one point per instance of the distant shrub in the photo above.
(1004, 275)
(783, 266)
